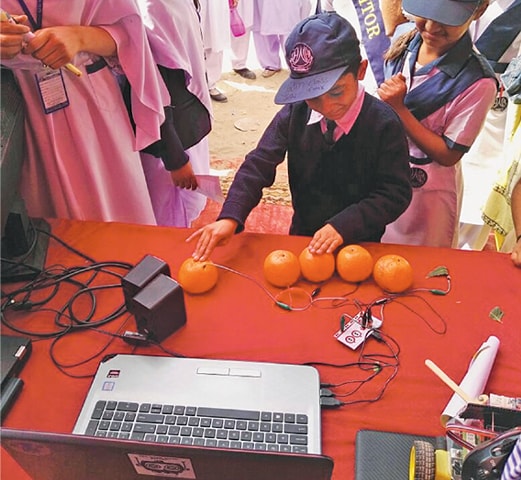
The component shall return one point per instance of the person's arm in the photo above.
(392, 15)
(257, 171)
(470, 109)
(57, 46)
(393, 92)
(516, 215)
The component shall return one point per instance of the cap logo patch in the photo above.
(301, 58)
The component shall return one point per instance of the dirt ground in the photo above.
(237, 127)
(239, 123)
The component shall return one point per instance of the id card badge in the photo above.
(52, 90)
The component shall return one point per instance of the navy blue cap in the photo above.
(447, 12)
(318, 51)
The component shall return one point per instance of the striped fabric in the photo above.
(512, 470)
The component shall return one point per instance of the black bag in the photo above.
(187, 121)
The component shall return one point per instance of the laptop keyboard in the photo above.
(200, 426)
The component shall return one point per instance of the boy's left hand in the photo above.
(325, 240)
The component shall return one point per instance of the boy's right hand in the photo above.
(212, 235)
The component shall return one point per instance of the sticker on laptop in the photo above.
(165, 467)
(28, 447)
(108, 386)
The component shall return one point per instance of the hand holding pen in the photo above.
(11, 36)
(28, 36)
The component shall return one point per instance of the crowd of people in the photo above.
(395, 139)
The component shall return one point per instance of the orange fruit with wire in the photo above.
(316, 268)
(393, 273)
(197, 277)
(281, 268)
(354, 263)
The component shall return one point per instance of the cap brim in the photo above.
(308, 87)
(447, 12)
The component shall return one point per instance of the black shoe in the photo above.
(217, 95)
(246, 73)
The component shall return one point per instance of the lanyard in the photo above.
(39, 13)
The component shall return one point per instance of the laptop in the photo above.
(201, 419)
(52, 456)
(15, 351)
(261, 405)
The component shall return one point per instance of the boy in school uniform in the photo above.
(346, 150)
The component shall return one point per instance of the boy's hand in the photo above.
(210, 236)
(325, 240)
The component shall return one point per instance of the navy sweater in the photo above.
(358, 186)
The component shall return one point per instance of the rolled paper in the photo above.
(475, 380)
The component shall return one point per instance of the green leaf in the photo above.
(496, 314)
(440, 271)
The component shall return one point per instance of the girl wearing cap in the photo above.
(442, 89)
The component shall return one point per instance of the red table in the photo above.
(239, 320)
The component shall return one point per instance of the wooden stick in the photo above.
(448, 381)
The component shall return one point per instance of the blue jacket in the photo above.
(459, 68)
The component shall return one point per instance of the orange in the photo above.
(197, 277)
(316, 268)
(281, 268)
(393, 273)
(354, 263)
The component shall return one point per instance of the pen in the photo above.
(4, 16)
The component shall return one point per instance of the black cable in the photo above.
(67, 246)
(376, 363)
(36, 295)
(64, 366)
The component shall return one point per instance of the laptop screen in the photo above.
(51, 456)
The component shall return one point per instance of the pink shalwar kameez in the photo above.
(82, 160)
(175, 37)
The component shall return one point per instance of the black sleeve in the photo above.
(257, 171)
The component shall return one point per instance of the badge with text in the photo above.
(52, 90)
